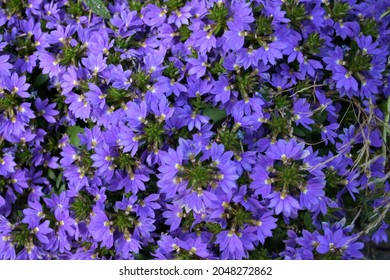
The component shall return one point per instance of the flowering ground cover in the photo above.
(198, 129)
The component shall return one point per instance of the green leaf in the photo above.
(99, 8)
(259, 253)
(299, 132)
(307, 221)
(386, 128)
(58, 180)
(40, 80)
(140, 257)
(51, 174)
(213, 228)
(72, 132)
(214, 113)
(320, 117)
(61, 189)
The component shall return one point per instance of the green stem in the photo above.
(385, 14)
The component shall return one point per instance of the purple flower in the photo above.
(127, 204)
(4, 66)
(344, 29)
(95, 64)
(270, 52)
(312, 193)
(16, 85)
(192, 118)
(222, 90)
(308, 240)
(235, 36)
(260, 176)
(310, 66)
(328, 133)
(191, 115)
(6, 164)
(264, 226)
(19, 181)
(180, 16)
(133, 182)
(146, 207)
(168, 244)
(31, 251)
(70, 80)
(173, 216)
(57, 203)
(95, 96)
(198, 66)
(41, 230)
(153, 62)
(249, 202)
(2, 201)
(161, 109)
(128, 140)
(302, 113)
(244, 161)
(331, 241)
(171, 162)
(136, 113)
(91, 137)
(381, 235)
(283, 150)
(284, 203)
(46, 110)
(195, 246)
(50, 65)
(334, 60)
(369, 87)
(230, 245)
(170, 86)
(100, 228)
(242, 13)
(199, 200)
(247, 57)
(143, 228)
(345, 79)
(78, 105)
(221, 159)
(204, 41)
(7, 248)
(127, 244)
(154, 16)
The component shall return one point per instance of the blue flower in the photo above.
(101, 228)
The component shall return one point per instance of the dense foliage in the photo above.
(198, 129)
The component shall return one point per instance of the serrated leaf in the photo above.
(214, 113)
(99, 8)
(73, 132)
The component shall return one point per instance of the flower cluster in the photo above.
(200, 129)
